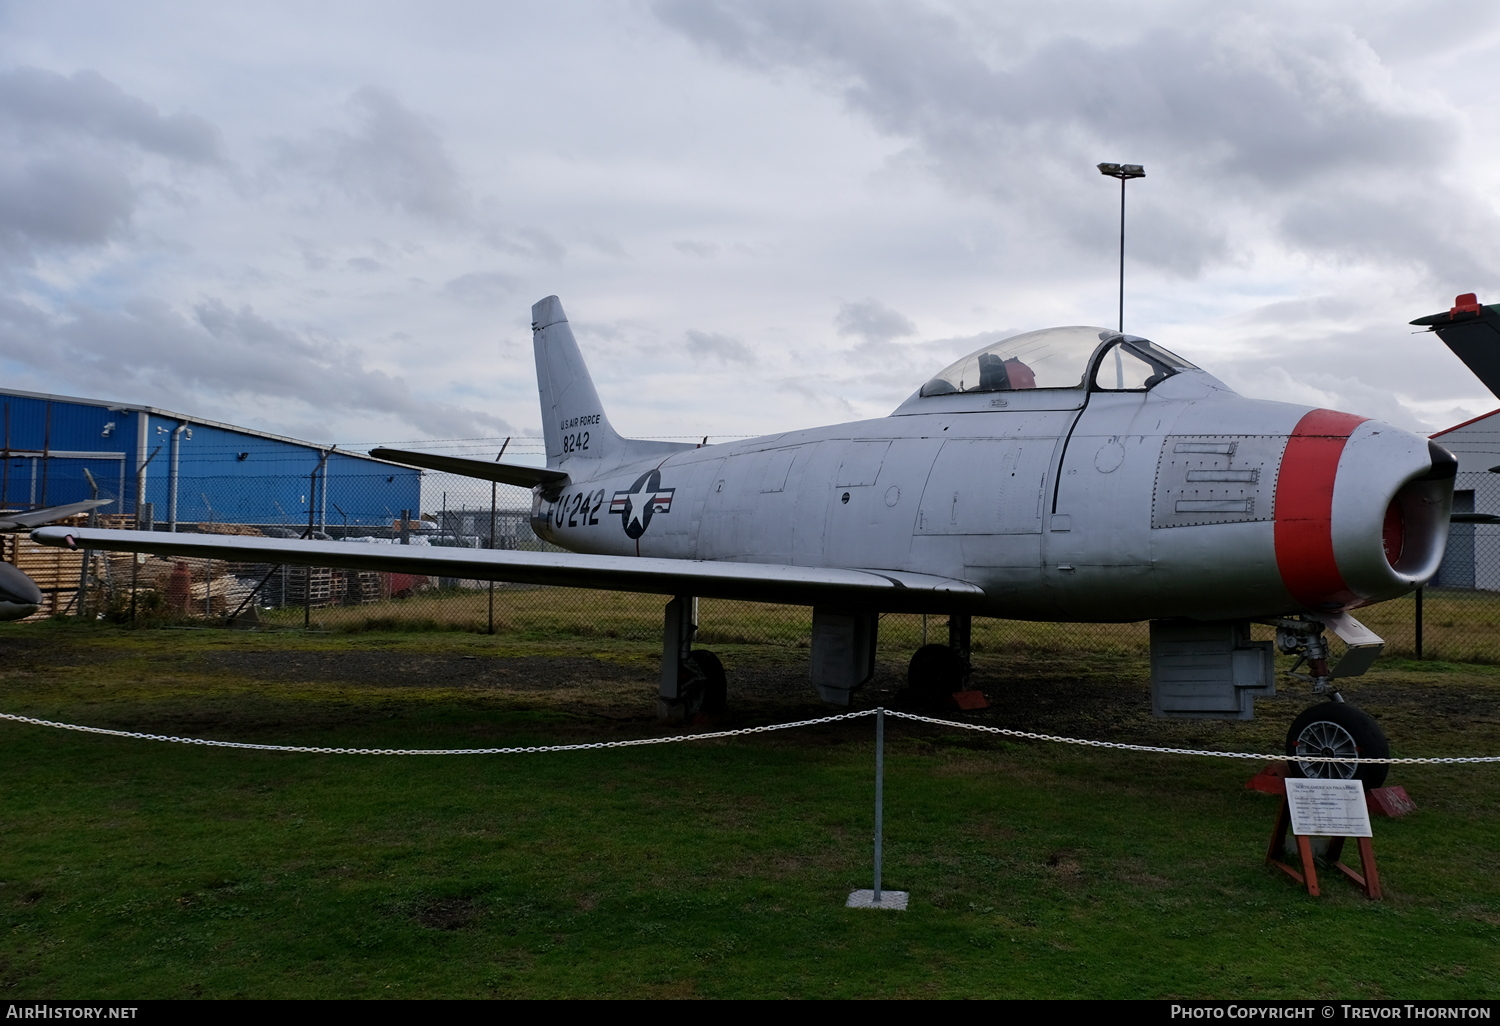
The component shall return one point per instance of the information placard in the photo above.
(1328, 808)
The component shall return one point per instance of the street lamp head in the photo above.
(1122, 171)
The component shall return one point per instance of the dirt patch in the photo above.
(445, 914)
(390, 667)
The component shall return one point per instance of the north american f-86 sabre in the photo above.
(1070, 474)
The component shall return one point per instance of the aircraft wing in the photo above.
(38, 517)
(887, 590)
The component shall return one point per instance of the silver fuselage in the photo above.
(1187, 500)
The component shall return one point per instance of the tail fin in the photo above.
(573, 420)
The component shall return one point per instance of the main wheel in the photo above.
(935, 672)
(714, 687)
(1333, 729)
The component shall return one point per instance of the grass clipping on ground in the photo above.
(719, 869)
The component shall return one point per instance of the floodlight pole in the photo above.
(1120, 327)
(1124, 172)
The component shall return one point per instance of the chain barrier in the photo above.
(438, 751)
(1182, 751)
(743, 731)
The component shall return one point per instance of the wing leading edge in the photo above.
(887, 590)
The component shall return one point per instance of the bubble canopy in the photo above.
(1050, 358)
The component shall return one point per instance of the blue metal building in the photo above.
(167, 468)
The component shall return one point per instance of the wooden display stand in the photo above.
(1369, 881)
(1387, 801)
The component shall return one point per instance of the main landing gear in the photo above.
(936, 672)
(692, 680)
(1331, 728)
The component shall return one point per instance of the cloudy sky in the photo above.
(330, 220)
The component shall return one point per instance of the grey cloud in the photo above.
(1300, 311)
(720, 347)
(87, 103)
(482, 287)
(56, 200)
(70, 150)
(532, 243)
(148, 348)
(365, 265)
(609, 245)
(696, 247)
(873, 320)
(817, 398)
(393, 157)
(1237, 116)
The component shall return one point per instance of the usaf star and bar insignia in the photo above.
(637, 504)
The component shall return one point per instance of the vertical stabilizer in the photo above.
(573, 420)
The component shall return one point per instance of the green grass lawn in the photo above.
(717, 869)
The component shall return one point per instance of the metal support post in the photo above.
(1419, 623)
(88, 554)
(172, 472)
(498, 457)
(493, 486)
(879, 793)
(878, 897)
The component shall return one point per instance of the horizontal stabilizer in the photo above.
(38, 517)
(1472, 330)
(551, 481)
(886, 590)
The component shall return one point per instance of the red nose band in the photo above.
(1304, 510)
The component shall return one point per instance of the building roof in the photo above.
(116, 407)
(1471, 420)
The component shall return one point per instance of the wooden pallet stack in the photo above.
(362, 587)
(56, 571)
(313, 586)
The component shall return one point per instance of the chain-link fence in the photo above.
(1456, 620)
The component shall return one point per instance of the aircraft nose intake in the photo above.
(1304, 509)
(1361, 510)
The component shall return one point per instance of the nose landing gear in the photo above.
(1333, 728)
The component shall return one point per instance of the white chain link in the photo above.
(1182, 751)
(437, 751)
(1005, 732)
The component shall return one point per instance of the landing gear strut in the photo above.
(692, 680)
(1331, 728)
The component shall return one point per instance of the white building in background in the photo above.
(1473, 557)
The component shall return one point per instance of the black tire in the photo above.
(713, 689)
(935, 672)
(1334, 728)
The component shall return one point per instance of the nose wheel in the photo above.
(1334, 729)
